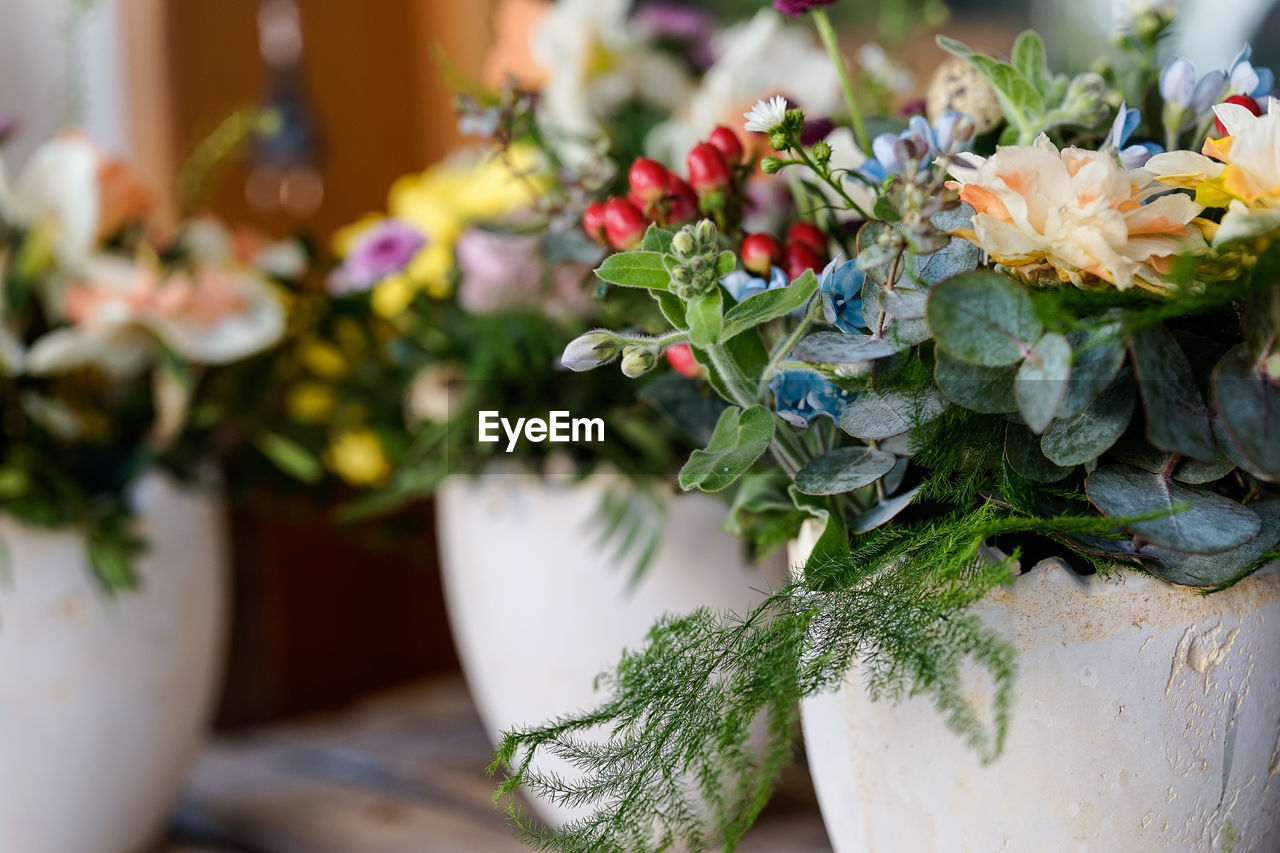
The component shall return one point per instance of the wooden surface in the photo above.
(403, 773)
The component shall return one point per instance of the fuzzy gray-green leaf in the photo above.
(635, 269)
(704, 314)
(740, 438)
(769, 305)
(1195, 521)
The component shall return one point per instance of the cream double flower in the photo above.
(1077, 214)
(1241, 172)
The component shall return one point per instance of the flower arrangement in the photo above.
(112, 335)
(1038, 332)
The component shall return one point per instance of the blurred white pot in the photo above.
(104, 699)
(539, 608)
(1145, 717)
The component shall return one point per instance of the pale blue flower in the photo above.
(743, 285)
(920, 141)
(1181, 87)
(1246, 79)
(841, 287)
(1133, 156)
(799, 396)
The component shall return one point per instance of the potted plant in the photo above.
(114, 553)
(1028, 435)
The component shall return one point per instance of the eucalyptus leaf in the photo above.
(904, 302)
(1098, 358)
(844, 470)
(882, 513)
(1177, 419)
(958, 256)
(893, 480)
(706, 319)
(1079, 438)
(769, 305)
(1022, 452)
(1211, 570)
(740, 438)
(1195, 521)
(1250, 405)
(1262, 322)
(840, 348)
(635, 269)
(983, 318)
(1197, 473)
(1041, 383)
(980, 389)
(875, 416)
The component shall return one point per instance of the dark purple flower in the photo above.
(816, 130)
(382, 249)
(796, 8)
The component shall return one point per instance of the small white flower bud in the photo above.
(591, 350)
(637, 360)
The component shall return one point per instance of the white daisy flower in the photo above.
(767, 116)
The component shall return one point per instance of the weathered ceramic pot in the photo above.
(1145, 717)
(539, 606)
(104, 699)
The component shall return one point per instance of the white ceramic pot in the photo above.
(1145, 717)
(539, 608)
(104, 699)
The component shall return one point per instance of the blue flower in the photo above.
(920, 141)
(1134, 156)
(1245, 79)
(743, 285)
(1181, 88)
(802, 395)
(841, 287)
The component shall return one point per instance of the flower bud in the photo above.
(682, 243)
(681, 359)
(1085, 101)
(822, 151)
(593, 222)
(728, 143)
(779, 141)
(708, 170)
(808, 234)
(624, 224)
(638, 360)
(801, 257)
(771, 165)
(648, 180)
(591, 350)
(705, 233)
(760, 252)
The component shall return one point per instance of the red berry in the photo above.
(728, 143)
(760, 252)
(800, 258)
(593, 222)
(681, 202)
(624, 224)
(1243, 100)
(708, 170)
(810, 235)
(682, 361)
(648, 179)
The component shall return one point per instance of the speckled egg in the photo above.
(958, 86)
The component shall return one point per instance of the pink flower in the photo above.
(1077, 213)
(498, 270)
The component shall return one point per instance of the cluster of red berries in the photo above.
(805, 249)
(1243, 100)
(660, 196)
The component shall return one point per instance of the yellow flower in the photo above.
(310, 402)
(324, 360)
(344, 237)
(392, 297)
(1077, 213)
(1243, 176)
(359, 458)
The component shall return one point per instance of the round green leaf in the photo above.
(876, 416)
(841, 348)
(1041, 384)
(983, 318)
(1250, 407)
(1211, 570)
(1177, 418)
(1022, 452)
(1078, 439)
(1195, 521)
(980, 389)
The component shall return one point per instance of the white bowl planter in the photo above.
(1145, 717)
(538, 608)
(104, 699)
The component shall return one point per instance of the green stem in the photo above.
(829, 40)
(784, 347)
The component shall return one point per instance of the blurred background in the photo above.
(326, 615)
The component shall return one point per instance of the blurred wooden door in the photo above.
(320, 619)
